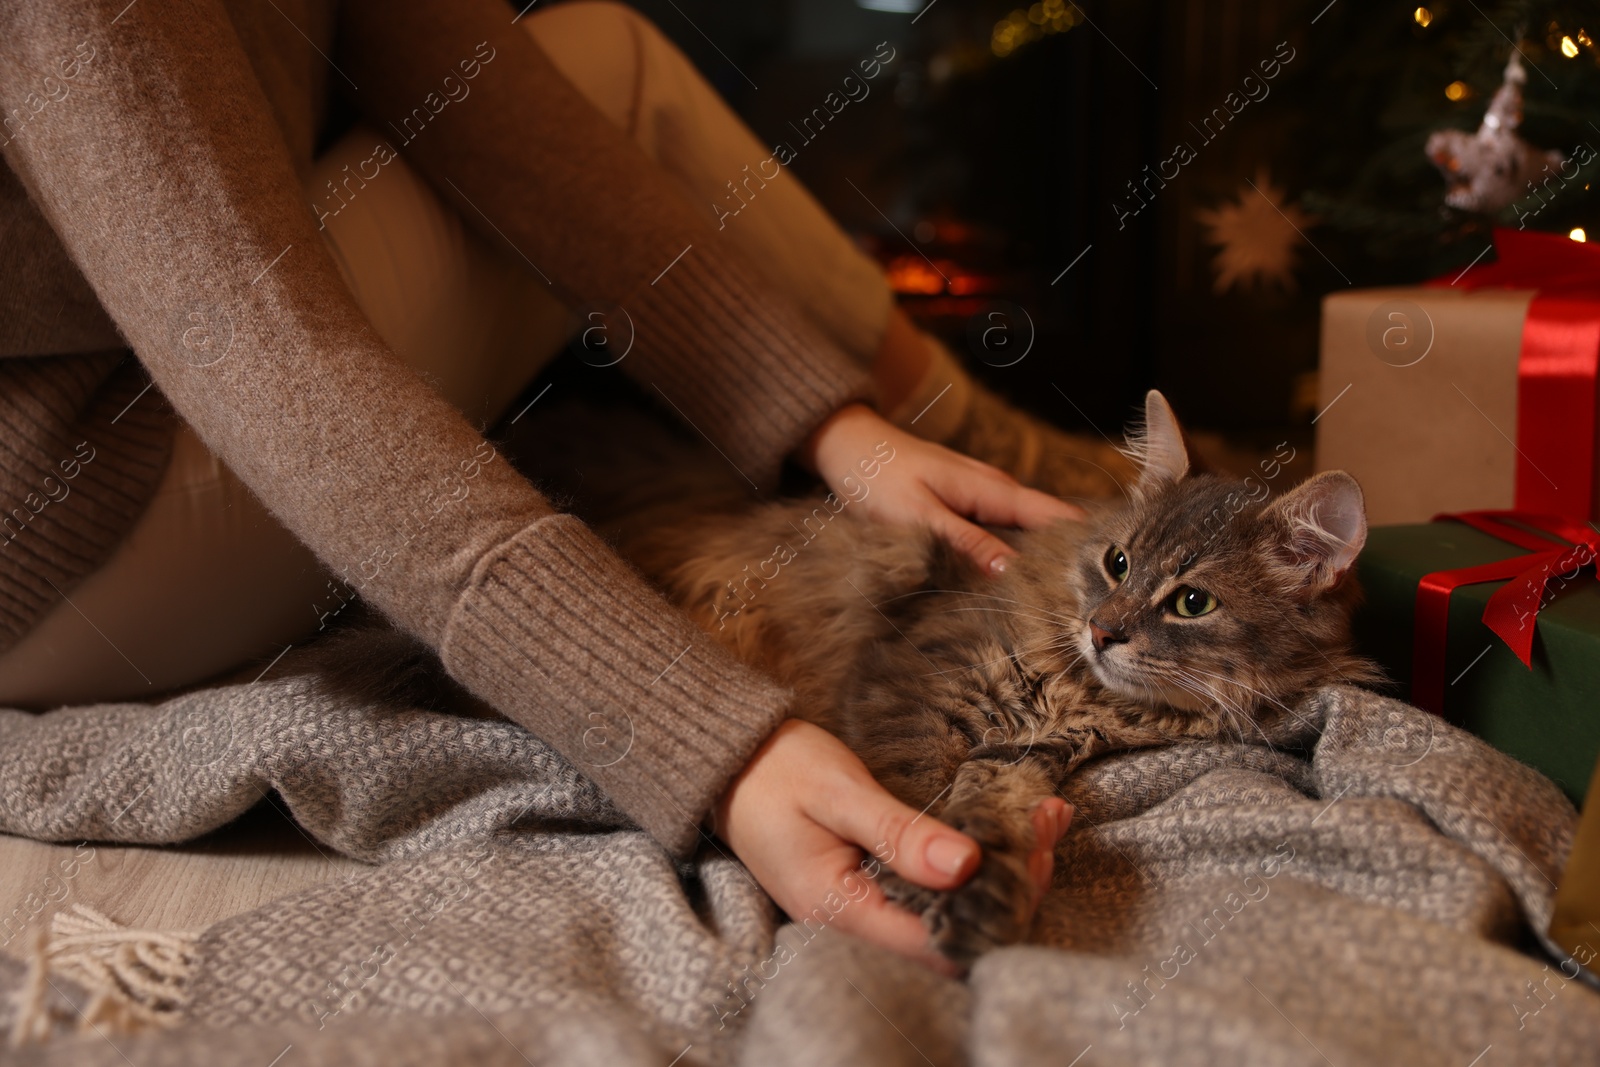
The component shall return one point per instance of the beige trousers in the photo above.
(208, 580)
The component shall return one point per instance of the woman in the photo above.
(328, 332)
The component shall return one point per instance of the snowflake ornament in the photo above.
(1256, 235)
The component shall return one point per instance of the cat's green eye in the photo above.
(1116, 562)
(1191, 602)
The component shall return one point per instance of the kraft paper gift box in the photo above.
(1473, 392)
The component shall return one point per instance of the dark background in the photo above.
(1003, 166)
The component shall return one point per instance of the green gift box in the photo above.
(1547, 716)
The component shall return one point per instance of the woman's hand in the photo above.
(812, 825)
(926, 484)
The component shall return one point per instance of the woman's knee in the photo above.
(599, 46)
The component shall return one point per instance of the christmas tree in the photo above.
(1423, 153)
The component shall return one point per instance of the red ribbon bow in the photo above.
(1557, 368)
(1559, 548)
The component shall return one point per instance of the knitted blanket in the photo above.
(1369, 898)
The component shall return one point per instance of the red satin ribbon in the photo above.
(1558, 549)
(1558, 366)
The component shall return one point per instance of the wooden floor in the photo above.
(259, 858)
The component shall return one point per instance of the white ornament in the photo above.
(1487, 170)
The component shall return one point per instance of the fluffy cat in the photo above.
(1190, 612)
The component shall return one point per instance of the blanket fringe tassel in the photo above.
(136, 979)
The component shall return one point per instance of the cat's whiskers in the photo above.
(1236, 712)
(1057, 615)
(1059, 641)
(1187, 682)
(1220, 693)
(1058, 645)
(1155, 697)
(967, 667)
(989, 596)
(1152, 696)
(1301, 719)
(1239, 717)
(1005, 611)
(1230, 712)
(1053, 647)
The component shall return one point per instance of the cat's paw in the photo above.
(907, 895)
(992, 908)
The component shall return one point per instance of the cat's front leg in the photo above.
(991, 800)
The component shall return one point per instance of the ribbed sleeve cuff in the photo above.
(781, 376)
(563, 637)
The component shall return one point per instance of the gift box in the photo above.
(1475, 391)
(1528, 679)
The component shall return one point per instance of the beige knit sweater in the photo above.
(152, 199)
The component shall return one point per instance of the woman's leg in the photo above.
(208, 579)
(205, 580)
(468, 317)
(639, 80)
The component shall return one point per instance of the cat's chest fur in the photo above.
(1016, 680)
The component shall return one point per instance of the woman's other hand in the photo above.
(920, 483)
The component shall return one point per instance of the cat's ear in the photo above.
(1158, 446)
(1322, 524)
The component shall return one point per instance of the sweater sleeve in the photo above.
(528, 160)
(168, 182)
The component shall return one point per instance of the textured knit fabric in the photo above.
(85, 443)
(162, 146)
(1364, 901)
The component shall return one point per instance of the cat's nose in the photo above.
(1102, 636)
